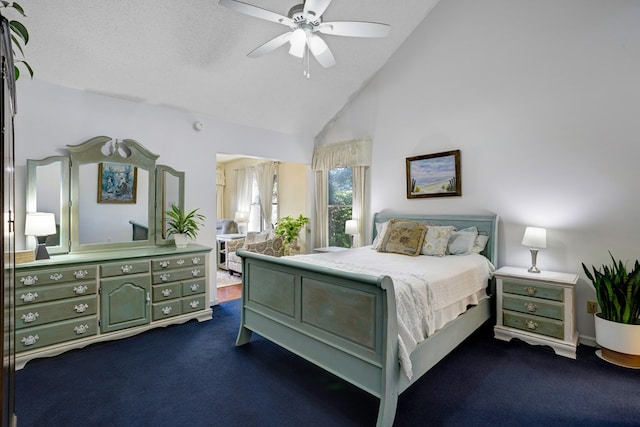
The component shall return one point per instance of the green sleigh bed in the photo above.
(345, 322)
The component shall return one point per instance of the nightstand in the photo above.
(538, 308)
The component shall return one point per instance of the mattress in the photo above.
(430, 291)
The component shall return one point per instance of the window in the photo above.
(256, 218)
(340, 205)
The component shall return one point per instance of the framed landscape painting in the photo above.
(434, 175)
(117, 183)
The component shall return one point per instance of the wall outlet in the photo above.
(592, 307)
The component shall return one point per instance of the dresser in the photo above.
(538, 308)
(72, 300)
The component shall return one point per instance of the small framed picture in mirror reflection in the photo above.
(117, 183)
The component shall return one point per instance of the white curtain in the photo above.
(220, 183)
(356, 154)
(243, 190)
(264, 178)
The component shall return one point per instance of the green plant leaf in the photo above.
(20, 30)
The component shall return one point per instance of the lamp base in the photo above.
(534, 256)
(41, 248)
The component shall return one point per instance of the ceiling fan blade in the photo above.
(258, 12)
(313, 9)
(321, 51)
(270, 46)
(354, 29)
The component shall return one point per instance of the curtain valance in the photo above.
(356, 152)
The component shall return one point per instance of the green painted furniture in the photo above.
(346, 323)
(537, 308)
(72, 300)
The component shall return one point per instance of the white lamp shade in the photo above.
(535, 237)
(40, 224)
(351, 226)
(241, 216)
(298, 40)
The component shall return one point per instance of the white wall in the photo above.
(51, 117)
(542, 98)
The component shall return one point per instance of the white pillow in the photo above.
(381, 228)
(479, 244)
(461, 241)
(437, 240)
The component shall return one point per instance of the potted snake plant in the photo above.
(183, 225)
(618, 323)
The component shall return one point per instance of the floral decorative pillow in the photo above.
(403, 237)
(437, 240)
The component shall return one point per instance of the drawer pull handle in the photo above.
(530, 324)
(81, 329)
(180, 261)
(530, 306)
(166, 292)
(166, 310)
(80, 289)
(55, 277)
(29, 280)
(30, 317)
(195, 273)
(81, 308)
(80, 274)
(30, 340)
(530, 290)
(164, 264)
(195, 260)
(194, 287)
(194, 304)
(126, 268)
(29, 297)
(165, 277)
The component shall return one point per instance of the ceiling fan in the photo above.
(304, 21)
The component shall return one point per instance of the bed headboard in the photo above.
(486, 224)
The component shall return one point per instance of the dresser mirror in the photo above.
(169, 191)
(108, 194)
(48, 191)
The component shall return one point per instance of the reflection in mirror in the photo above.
(48, 191)
(116, 218)
(169, 191)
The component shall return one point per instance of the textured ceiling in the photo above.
(192, 55)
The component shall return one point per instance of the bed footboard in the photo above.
(343, 322)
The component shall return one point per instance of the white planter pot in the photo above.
(619, 338)
(181, 240)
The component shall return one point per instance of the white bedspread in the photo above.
(429, 290)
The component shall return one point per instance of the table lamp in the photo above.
(351, 228)
(40, 225)
(535, 238)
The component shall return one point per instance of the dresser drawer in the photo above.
(55, 275)
(537, 306)
(193, 287)
(167, 309)
(124, 268)
(167, 292)
(193, 304)
(53, 333)
(36, 295)
(182, 274)
(177, 262)
(538, 325)
(38, 314)
(532, 289)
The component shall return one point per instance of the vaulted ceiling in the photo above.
(192, 55)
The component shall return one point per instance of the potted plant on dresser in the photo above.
(618, 323)
(183, 225)
(289, 228)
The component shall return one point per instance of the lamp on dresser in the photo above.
(40, 225)
(535, 238)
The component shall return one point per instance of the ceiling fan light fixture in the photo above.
(317, 46)
(298, 40)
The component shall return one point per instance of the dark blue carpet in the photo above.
(193, 375)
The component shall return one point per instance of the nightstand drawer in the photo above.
(539, 307)
(532, 289)
(534, 324)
